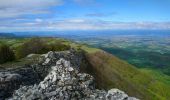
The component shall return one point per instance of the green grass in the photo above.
(112, 72)
(21, 62)
(157, 74)
(89, 49)
(108, 70)
(84, 47)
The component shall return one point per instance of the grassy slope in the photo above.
(111, 72)
(19, 63)
(157, 74)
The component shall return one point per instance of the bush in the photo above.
(6, 54)
(58, 47)
(34, 45)
(38, 46)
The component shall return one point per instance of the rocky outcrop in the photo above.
(62, 80)
(8, 81)
(11, 80)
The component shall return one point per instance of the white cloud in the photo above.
(38, 20)
(14, 13)
(75, 20)
(28, 3)
(16, 8)
(81, 24)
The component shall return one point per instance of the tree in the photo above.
(39, 46)
(6, 54)
(34, 45)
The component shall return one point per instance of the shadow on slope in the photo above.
(110, 72)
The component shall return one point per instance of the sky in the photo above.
(46, 15)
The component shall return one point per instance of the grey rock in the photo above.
(8, 82)
(30, 55)
(116, 94)
(62, 80)
(7, 77)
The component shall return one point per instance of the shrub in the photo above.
(58, 47)
(38, 46)
(34, 45)
(6, 54)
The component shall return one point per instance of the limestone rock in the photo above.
(8, 81)
(65, 82)
(56, 76)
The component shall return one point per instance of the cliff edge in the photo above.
(57, 76)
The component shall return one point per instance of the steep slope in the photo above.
(109, 71)
(62, 80)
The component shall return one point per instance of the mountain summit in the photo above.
(63, 81)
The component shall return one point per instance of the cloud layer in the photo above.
(25, 15)
(18, 8)
(81, 24)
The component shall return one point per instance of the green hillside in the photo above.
(108, 70)
(111, 72)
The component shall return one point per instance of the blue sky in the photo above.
(44, 15)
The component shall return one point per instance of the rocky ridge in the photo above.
(63, 81)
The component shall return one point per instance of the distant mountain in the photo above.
(7, 35)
